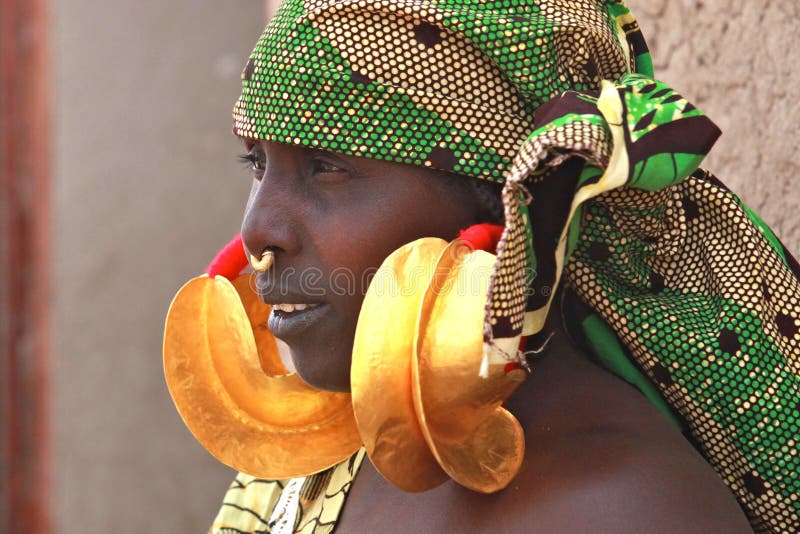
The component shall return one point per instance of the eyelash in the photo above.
(318, 163)
(254, 163)
(251, 161)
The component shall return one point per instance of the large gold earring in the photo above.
(225, 376)
(422, 409)
(380, 372)
(476, 441)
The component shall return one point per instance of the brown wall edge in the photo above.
(25, 163)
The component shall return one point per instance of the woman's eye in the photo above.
(255, 160)
(321, 166)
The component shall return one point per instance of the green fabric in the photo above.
(325, 74)
(707, 306)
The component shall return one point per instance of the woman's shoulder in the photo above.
(598, 457)
(599, 454)
(619, 478)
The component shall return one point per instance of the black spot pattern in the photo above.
(427, 34)
(729, 341)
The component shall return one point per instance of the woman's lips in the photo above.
(288, 321)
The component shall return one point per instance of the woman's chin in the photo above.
(324, 381)
(318, 372)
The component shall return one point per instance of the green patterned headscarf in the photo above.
(450, 85)
(681, 289)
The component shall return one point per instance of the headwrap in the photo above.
(556, 99)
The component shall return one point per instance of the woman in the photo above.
(368, 126)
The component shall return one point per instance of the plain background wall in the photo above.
(146, 189)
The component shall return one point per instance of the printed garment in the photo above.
(305, 505)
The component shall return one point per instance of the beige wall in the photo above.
(146, 189)
(737, 62)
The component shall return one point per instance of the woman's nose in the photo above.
(269, 219)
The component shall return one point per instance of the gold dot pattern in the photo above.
(448, 84)
(440, 71)
(597, 55)
(698, 294)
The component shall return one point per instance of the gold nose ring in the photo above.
(261, 265)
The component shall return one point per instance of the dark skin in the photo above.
(599, 456)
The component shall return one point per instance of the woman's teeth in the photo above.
(289, 308)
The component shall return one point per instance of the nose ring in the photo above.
(262, 264)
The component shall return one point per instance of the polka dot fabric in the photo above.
(556, 99)
(449, 85)
(698, 290)
(709, 310)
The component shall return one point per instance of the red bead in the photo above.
(482, 236)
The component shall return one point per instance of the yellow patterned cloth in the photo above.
(305, 505)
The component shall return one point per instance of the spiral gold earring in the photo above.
(415, 378)
(227, 380)
(262, 264)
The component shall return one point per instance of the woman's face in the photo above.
(331, 221)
